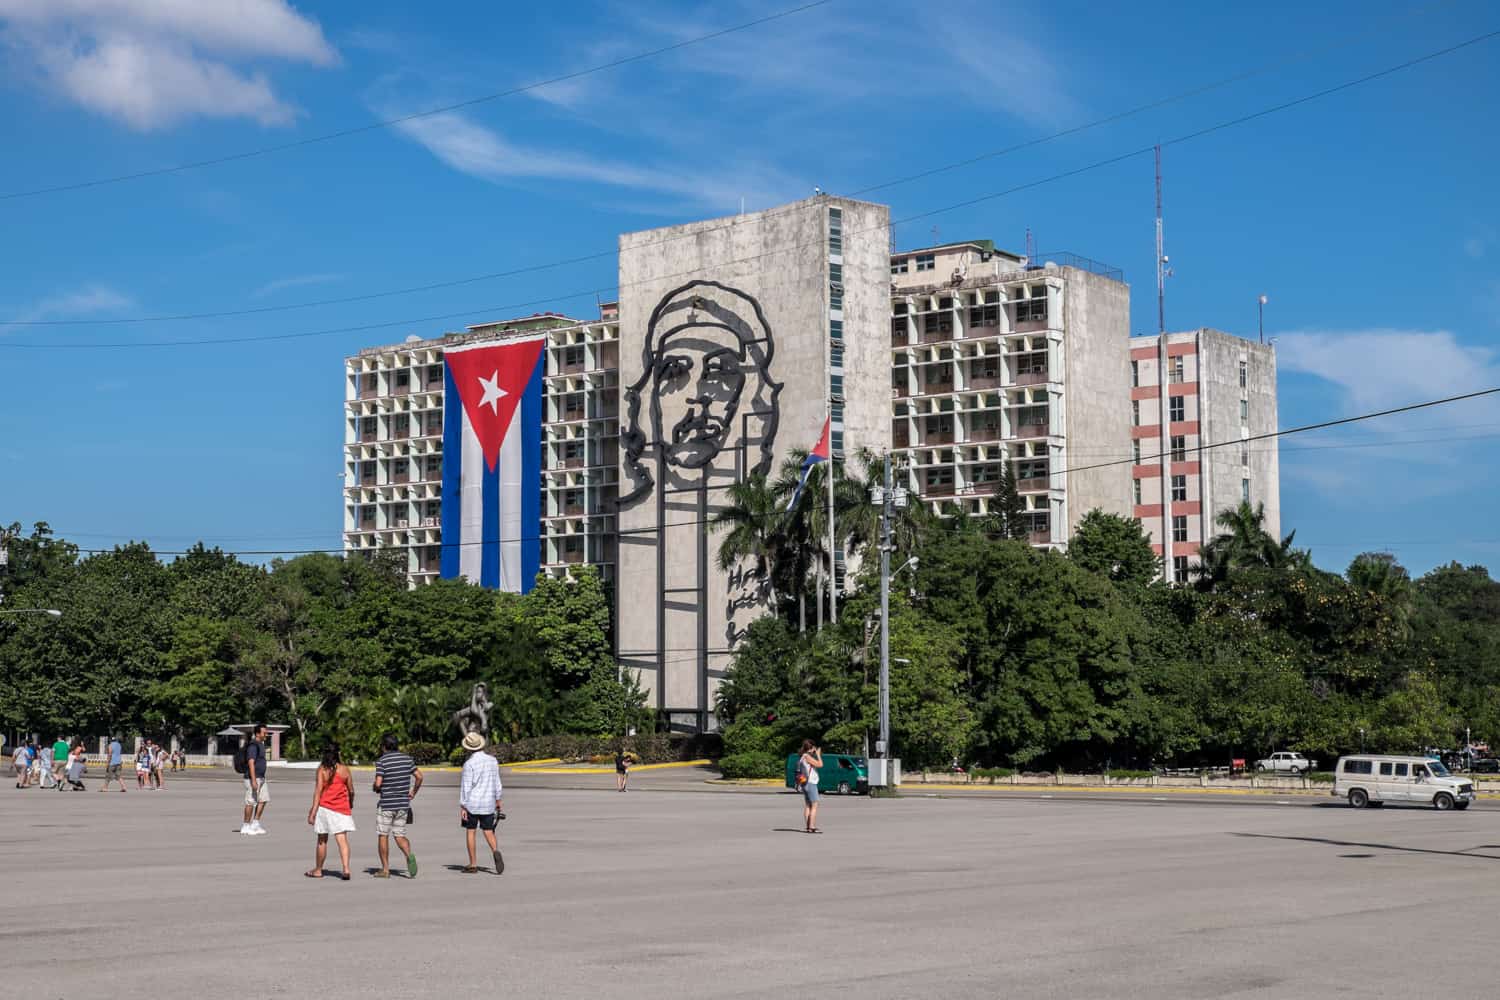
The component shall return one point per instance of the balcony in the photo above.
(986, 381)
(937, 490)
(941, 335)
(936, 388)
(900, 437)
(1033, 430)
(1034, 485)
(899, 392)
(1032, 377)
(1043, 537)
(982, 434)
(368, 392)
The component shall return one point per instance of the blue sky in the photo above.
(1370, 217)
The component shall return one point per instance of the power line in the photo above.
(430, 112)
(586, 258)
(692, 522)
(1304, 428)
(968, 203)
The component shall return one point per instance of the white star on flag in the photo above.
(492, 392)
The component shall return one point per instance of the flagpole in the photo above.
(833, 559)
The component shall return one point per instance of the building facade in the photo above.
(995, 362)
(739, 337)
(393, 443)
(1202, 403)
(734, 339)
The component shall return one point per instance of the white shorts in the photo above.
(264, 790)
(329, 822)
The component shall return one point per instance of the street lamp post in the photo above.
(1261, 304)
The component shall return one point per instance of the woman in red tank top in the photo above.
(332, 812)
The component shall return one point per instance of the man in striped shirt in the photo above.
(397, 780)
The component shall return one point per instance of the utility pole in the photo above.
(833, 552)
(883, 745)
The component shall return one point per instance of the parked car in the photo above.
(1286, 762)
(1378, 779)
(841, 772)
(1487, 765)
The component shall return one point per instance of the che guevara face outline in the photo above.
(711, 342)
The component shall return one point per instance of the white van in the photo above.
(1374, 780)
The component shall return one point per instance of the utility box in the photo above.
(885, 772)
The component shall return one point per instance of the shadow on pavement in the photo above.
(1329, 841)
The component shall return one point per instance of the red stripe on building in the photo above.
(1142, 353)
(1148, 510)
(1178, 350)
(1184, 468)
(1145, 471)
(1146, 392)
(1147, 430)
(1183, 427)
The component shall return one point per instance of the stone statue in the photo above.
(476, 717)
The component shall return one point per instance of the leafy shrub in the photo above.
(651, 748)
(1319, 777)
(425, 753)
(752, 765)
(991, 773)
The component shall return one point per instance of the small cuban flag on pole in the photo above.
(818, 454)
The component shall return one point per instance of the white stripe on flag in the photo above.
(471, 492)
(512, 532)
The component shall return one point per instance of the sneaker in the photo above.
(411, 866)
(499, 862)
(244, 828)
(256, 830)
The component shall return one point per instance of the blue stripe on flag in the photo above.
(530, 416)
(489, 564)
(453, 429)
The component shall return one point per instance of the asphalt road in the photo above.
(672, 892)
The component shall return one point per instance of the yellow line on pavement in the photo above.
(608, 770)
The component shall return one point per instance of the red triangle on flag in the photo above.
(491, 381)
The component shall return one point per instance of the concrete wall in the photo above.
(1220, 356)
(679, 616)
(1096, 348)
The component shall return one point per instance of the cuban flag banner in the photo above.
(492, 463)
(818, 454)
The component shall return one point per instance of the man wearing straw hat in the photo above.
(479, 802)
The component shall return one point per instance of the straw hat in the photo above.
(473, 741)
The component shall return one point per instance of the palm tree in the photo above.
(756, 522)
(1244, 544)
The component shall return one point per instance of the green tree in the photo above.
(1114, 546)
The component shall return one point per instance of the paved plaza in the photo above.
(676, 890)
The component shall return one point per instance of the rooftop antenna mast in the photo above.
(1163, 272)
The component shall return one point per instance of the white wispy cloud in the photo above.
(83, 302)
(296, 281)
(1380, 369)
(480, 151)
(153, 64)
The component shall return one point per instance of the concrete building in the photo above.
(738, 338)
(735, 338)
(393, 443)
(1192, 459)
(993, 362)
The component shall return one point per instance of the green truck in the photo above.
(841, 772)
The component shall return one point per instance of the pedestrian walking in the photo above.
(807, 779)
(257, 789)
(114, 762)
(397, 780)
(142, 765)
(479, 803)
(22, 761)
(59, 760)
(332, 812)
(158, 765)
(622, 769)
(42, 769)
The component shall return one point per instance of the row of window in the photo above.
(1180, 494)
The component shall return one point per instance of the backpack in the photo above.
(801, 778)
(241, 764)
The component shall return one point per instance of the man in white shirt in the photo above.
(479, 804)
